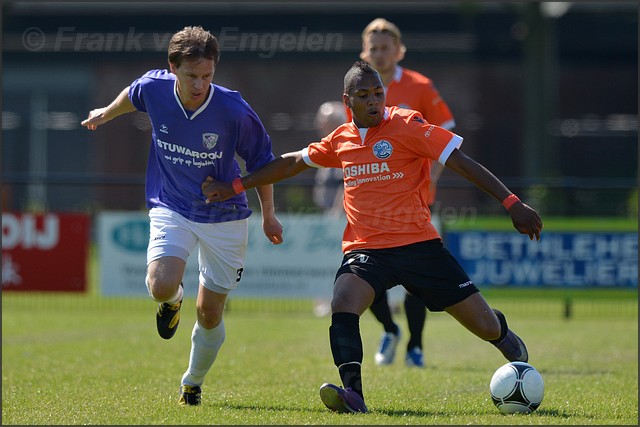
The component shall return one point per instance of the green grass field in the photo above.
(85, 359)
(70, 360)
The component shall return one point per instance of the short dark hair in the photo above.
(193, 43)
(356, 72)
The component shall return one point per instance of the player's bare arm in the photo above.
(270, 223)
(119, 106)
(525, 219)
(283, 167)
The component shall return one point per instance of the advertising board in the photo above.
(561, 259)
(44, 252)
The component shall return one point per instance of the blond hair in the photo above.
(381, 25)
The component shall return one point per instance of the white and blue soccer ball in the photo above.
(517, 387)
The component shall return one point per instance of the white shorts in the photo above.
(222, 246)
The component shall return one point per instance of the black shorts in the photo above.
(425, 269)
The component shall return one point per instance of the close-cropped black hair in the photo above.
(358, 69)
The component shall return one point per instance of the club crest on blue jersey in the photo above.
(209, 140)
(382, 149)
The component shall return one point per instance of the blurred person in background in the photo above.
(328, 183)
(388, 239)
(382, 47)
(197, 129)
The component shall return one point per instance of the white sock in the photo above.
(177, 297)
(205, 344)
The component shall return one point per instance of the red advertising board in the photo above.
(44, 252)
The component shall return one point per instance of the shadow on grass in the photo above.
(395, 413)
(283, 408)
(559, 414)
(388, 412)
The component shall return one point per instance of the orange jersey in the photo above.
(386, 178)
(410, 89)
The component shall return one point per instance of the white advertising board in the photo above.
(304, 266)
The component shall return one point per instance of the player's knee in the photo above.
(210, 322)
(351, 295)
(161, 289)
(339, 305)
(209, 317)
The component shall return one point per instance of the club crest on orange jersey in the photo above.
(382, 149)
(209, 140)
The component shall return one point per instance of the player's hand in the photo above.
(95, 119)
(272, 229)
(526, 220)
(216, 191)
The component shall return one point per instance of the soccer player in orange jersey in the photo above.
(389, 239)
(382, 47)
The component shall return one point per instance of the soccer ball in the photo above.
(517, 387)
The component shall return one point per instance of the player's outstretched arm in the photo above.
(283, 167)
(119, 106)
(525, 219)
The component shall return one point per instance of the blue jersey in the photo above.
(188, 146)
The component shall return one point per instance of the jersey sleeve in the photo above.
(140, 86)
(429, 140)
(136, 97)
(321, 154)
(137, 89)
(254, 143)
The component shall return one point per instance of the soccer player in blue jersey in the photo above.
(197, 129)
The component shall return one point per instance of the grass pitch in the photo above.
(70, 360)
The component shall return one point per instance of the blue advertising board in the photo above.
(560, 259)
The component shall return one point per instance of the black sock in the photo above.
(382, 311)
(416, 316)
(346, 347)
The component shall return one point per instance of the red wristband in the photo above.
(509, 201)
(237, 185)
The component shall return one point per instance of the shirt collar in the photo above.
(199, 110)
(363, 131)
